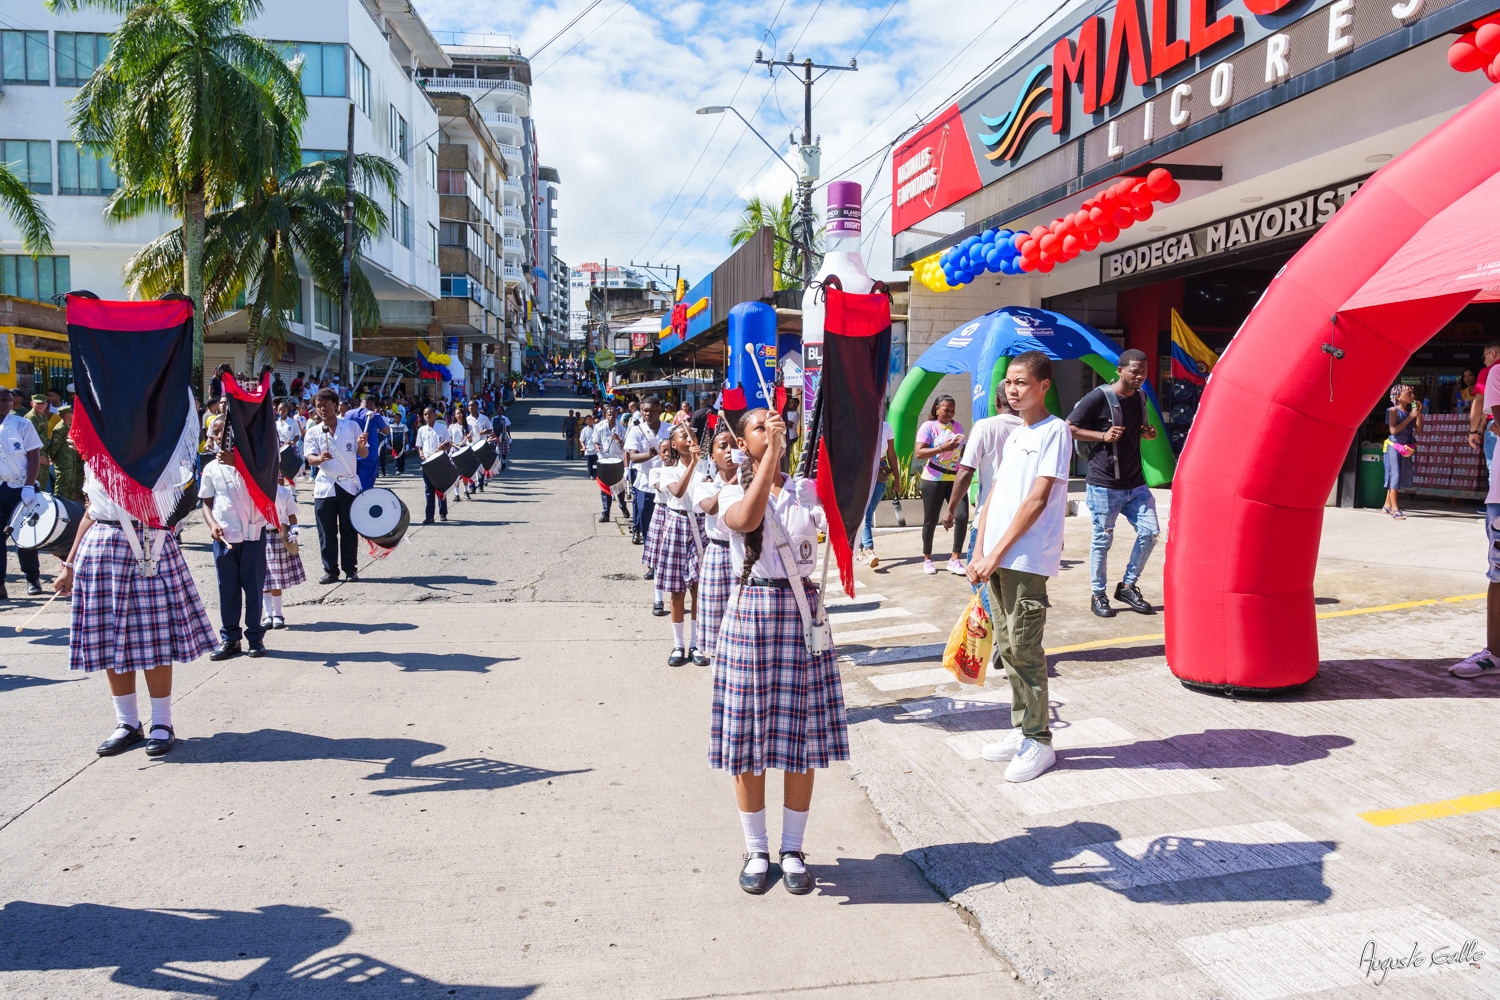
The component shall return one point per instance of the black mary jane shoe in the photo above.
(756, 884)
(119, 744)
(650, 574)
(696, 655)
(677, 657)
(158, 748)
(659, 610)
(225, 650)
(796, 884)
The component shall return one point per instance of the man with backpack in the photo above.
(1108, 425)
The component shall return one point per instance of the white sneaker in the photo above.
(1481, 664)
(874, 559)
(1005, 748)
(928, 567)
(957, 567)
(1031, 760)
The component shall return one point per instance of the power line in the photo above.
(623, 5)
(576, 19)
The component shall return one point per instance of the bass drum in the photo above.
(290, 461)
(380, 516)
(187, 504)
(486, 454)
(465, 461)
(611, 471)
(50, 525)
(440, 471)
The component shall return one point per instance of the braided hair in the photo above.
(756, 538)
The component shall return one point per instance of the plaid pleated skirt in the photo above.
(714, 583)
(676, 552)
(502, 445)
(653, 536)
(283, 569)
(123, 621)
(775, 705)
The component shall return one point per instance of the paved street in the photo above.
(469, 774)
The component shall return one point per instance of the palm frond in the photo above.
(26, 213)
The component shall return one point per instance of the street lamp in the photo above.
(715, 109)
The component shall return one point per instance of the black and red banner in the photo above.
(135, 422)
(856, 369)
(251, 431)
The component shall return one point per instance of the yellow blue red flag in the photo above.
(1192, 359)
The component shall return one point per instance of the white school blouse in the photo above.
(704, 490)
(794, 508)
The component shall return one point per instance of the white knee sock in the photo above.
(660, 597)
(678, 630)
(273, 604)
(793, 826)
(689, 624)
(756, 841)
(127, 714)
(161, 712)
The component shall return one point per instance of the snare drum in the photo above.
(49, 525)
(486, 454)
(611, 472)
(380, 516)
(465, 461)
(290, 461)
(440, 471)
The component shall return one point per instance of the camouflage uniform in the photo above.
(67, 465)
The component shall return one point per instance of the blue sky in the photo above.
(645, 178)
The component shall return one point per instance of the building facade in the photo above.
(364, 51)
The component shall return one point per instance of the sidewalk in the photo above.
(1189, 845)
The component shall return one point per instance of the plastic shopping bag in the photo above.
(968, 652)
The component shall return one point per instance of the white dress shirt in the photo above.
(17, 437)
(794, 509)
(338, 471)
(430, 440)
(479, 427)
(458, 433)
(642, 438)
(232, 507)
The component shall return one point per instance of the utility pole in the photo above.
(808, 151)
(346, 301)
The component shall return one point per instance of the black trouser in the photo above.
(31, 566)
(645, 506)
(241, 568)
(336, 535)
(935, 494)
(593, 464)
(433, 495)
(401, 462)
(568, 446)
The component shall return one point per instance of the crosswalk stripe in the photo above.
(911, 679)
(846, 617)
(888, 632)
(842, 601)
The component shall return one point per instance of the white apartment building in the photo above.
(367, 51)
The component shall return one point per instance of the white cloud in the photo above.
(615, 115)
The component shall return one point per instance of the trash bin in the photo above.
(1371, 474)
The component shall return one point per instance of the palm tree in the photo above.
(188, 106)
(25, 213)
(251, 249)
(784, 221)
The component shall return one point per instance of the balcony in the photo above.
(505, 122)
(513, 192)
(512, 154)
(513, 274)
(495, 90)
(513, 247)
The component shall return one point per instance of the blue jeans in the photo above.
(1139, 508)
(867, 536)
(1489, 448)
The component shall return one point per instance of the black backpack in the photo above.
(1085, 449)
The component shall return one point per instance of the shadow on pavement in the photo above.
(1212, 748)
(15, 682)
(428, 582)
(1386, 678)
(361, 627)
(885, 878)
(399, 754)
(1171, 870)
(37, 636)
(410, 663)
(212, 953)
(1109, 654)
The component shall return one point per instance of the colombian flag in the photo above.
(1192, 359)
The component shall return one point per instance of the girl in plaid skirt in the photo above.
(283, 566)
(714, 579)
(124, 621)
(679, 543)
(652, 549)
(776, 704)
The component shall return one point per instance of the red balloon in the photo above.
(1030, 249)
(1171, 194)
(1109, 233)
(1144, 212)
(1019, 238)
(1123, 218)
(1098, 215)
(1140, 195)
(1091, 239)
(1045, 265)
(1487, 38)
(1464, 55)
(1072, 245)
(1050, 244)
(1158, 180)
(1493, 70)
(1027, 263)
(1081, 221)
(1039, 232)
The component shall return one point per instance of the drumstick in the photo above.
(755, 363)
(55, 595)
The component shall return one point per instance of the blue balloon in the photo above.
(1004, 234)
(993, 259)
(1007, 266)
(966, 277)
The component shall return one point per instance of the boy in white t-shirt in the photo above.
(1018, 546)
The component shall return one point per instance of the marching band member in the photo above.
(334, 446)
(20, 461)
(679, 548)
(653, 484)
(609, 439)
(458, 433)
(432, 437)
(501, 425)
(777, 700)
(289, 428)
(481, 429)
(283, 561)
(714, 579)
(239, 548)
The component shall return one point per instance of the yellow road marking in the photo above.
(1102, 643)
(1433, 810)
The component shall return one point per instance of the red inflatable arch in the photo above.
(1407, 252)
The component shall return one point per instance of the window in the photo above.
(23, 56)
(82, 170)
(325, 310)
(400, 141)
(401, 222)
(454, 286)
(38, 279)
(432, 244)
(362, 85)
(429, 173)
(451, 181)
(78, 52)
(31, 161)
(322, 67)
(315, 155)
